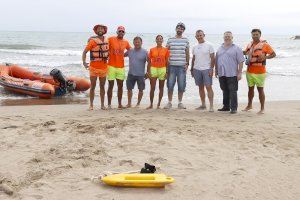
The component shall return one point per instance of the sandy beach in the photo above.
(52, 151)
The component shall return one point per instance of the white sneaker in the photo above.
(181, 106)
(168, 106)
(211, 110)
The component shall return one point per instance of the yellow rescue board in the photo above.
(138, 180)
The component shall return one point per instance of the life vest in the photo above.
(99, 52)
(255, 51)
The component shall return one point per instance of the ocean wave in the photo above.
(44, 63)
(20, 46)
(285, 54)
(45, 52)
(293, 74)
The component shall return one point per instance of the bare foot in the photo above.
(261, 112)
(247, 108)
(149, 107)
(158, 107)
(137, 105)
(91, 108)
(103, 108)
(128, 106)
(109, 107)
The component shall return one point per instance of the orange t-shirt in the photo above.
(159, 56)
(267, 49)
(95, 64)
(116, 51)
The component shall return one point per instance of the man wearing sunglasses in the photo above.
(116, 69)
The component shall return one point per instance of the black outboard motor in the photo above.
(64, 85)
(59, 77)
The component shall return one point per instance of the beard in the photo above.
(100, 33)
(179, 33)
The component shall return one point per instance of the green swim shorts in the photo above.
(115, 73)
(158, 72)
(256, 79)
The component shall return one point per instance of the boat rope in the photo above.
(107, 173)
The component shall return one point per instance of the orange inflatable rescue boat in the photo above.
(21, 80)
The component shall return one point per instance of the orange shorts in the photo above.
(98, 72)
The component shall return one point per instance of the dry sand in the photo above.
(51, 152)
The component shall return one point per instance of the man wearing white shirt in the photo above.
(202, 69)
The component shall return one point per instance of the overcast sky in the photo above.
(152, 16)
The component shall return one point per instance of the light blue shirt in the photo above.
(228, 60)
(137, 61)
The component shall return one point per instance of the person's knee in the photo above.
(181, 87)
(260, 89)
(120, 84)
(102, 87)
(208, 87)
(110, 85)
(93, 87)
(201, 88)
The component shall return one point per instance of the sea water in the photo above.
(43, 51)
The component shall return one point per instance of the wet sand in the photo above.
(37, 101)
(52, 151)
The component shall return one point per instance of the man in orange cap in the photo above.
(116, 69)
(99, 51)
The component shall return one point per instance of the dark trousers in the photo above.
(229, 86)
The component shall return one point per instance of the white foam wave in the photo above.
(46, 52)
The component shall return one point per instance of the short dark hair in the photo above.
(159, 36)
(199, 31)
(256, 30)
(228, 32)
(137, 38)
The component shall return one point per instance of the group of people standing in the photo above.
(171, 63)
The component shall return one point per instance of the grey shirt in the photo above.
(177, 47)
(137, 61)
(228, 60)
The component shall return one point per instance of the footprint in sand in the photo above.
(11, 126)
(157, 159)
(109, 126)
(153, 130)
(6, 189)
(48, 123)
(85, 128)
(36, 196)
(126, 162)
(238, 172)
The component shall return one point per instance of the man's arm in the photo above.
(148, 74)
(212, 64)
(84, 59)
(187, 53)
(126, 54)
(216, 65)
(269, 53)
(240, 70)
(192, 66)
(272, 55)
